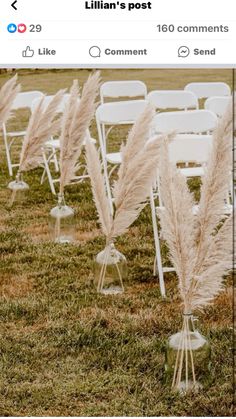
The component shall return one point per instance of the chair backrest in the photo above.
(25, 99)
(185, 122)
(173, 99)
(125, 89)
(120, 113)
(217, 104)
(208, 89)
(194, 148)
(116, 113)
(47, 100)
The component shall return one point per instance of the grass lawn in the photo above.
(65, 350)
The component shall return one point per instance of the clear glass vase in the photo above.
(19, 190)
(110, 270)
(187, 360)
(62, 222)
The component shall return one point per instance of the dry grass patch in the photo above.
(85, 236)
(37, 232)
(14, 286)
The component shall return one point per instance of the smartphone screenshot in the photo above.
(117, 208)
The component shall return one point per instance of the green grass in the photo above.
(65, 350)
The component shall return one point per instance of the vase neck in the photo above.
(110, 243)
(61, 200)
(189, 321)
(19, 177)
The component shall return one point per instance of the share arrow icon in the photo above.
(14, 5)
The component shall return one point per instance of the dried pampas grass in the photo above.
(8, 94)
(76, 120)
(135, 177)
(177, 220)
(216, 183)
(200, 248)
(208, 282)
(98, 188)
(134, 187)
(42, 126)
(200, 245)
(136, 140)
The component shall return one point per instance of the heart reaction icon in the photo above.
(22, 28)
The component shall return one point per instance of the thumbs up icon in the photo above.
(28, 53)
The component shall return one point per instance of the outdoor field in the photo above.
(66, 350)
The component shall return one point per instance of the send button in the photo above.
(197, 51)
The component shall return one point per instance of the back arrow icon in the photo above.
(13, 5)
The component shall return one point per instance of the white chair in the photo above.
(52, 147)
(123, 89)
(22, 100)
(47, 100)
(173, 99)
(203, 90)
(108, 116)
(190, 127)
(194, 149)
(217, 104)
(185, 122)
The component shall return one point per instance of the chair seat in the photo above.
(192, 171)
(227, 209)
(55, 143)
(114, 158)
(168, 269)
(16, 134)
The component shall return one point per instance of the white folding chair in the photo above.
(185, 122)
(123, 89)
(187, 125)
(203, 90)
(217, 104)
(108, 116)
(51, 148)
(191, 144)
(173, 99)
(195, 149)
(22, 100)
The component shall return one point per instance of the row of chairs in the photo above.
(216, 95)
(162, 100)
(136, 88)
(111, 115)
(192, 143)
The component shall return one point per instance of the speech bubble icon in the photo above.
(95, 51)
(183, 51)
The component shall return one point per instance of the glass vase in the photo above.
(110, 270)
(62, 222)
(187, 357)
(19, 190)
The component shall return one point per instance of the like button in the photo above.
(28, 53)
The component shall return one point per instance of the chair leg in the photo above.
(56, 164)
(47, 169)
(108, 188)
(8, 155)
(43, 176)
(112, 170)
(157, 247)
